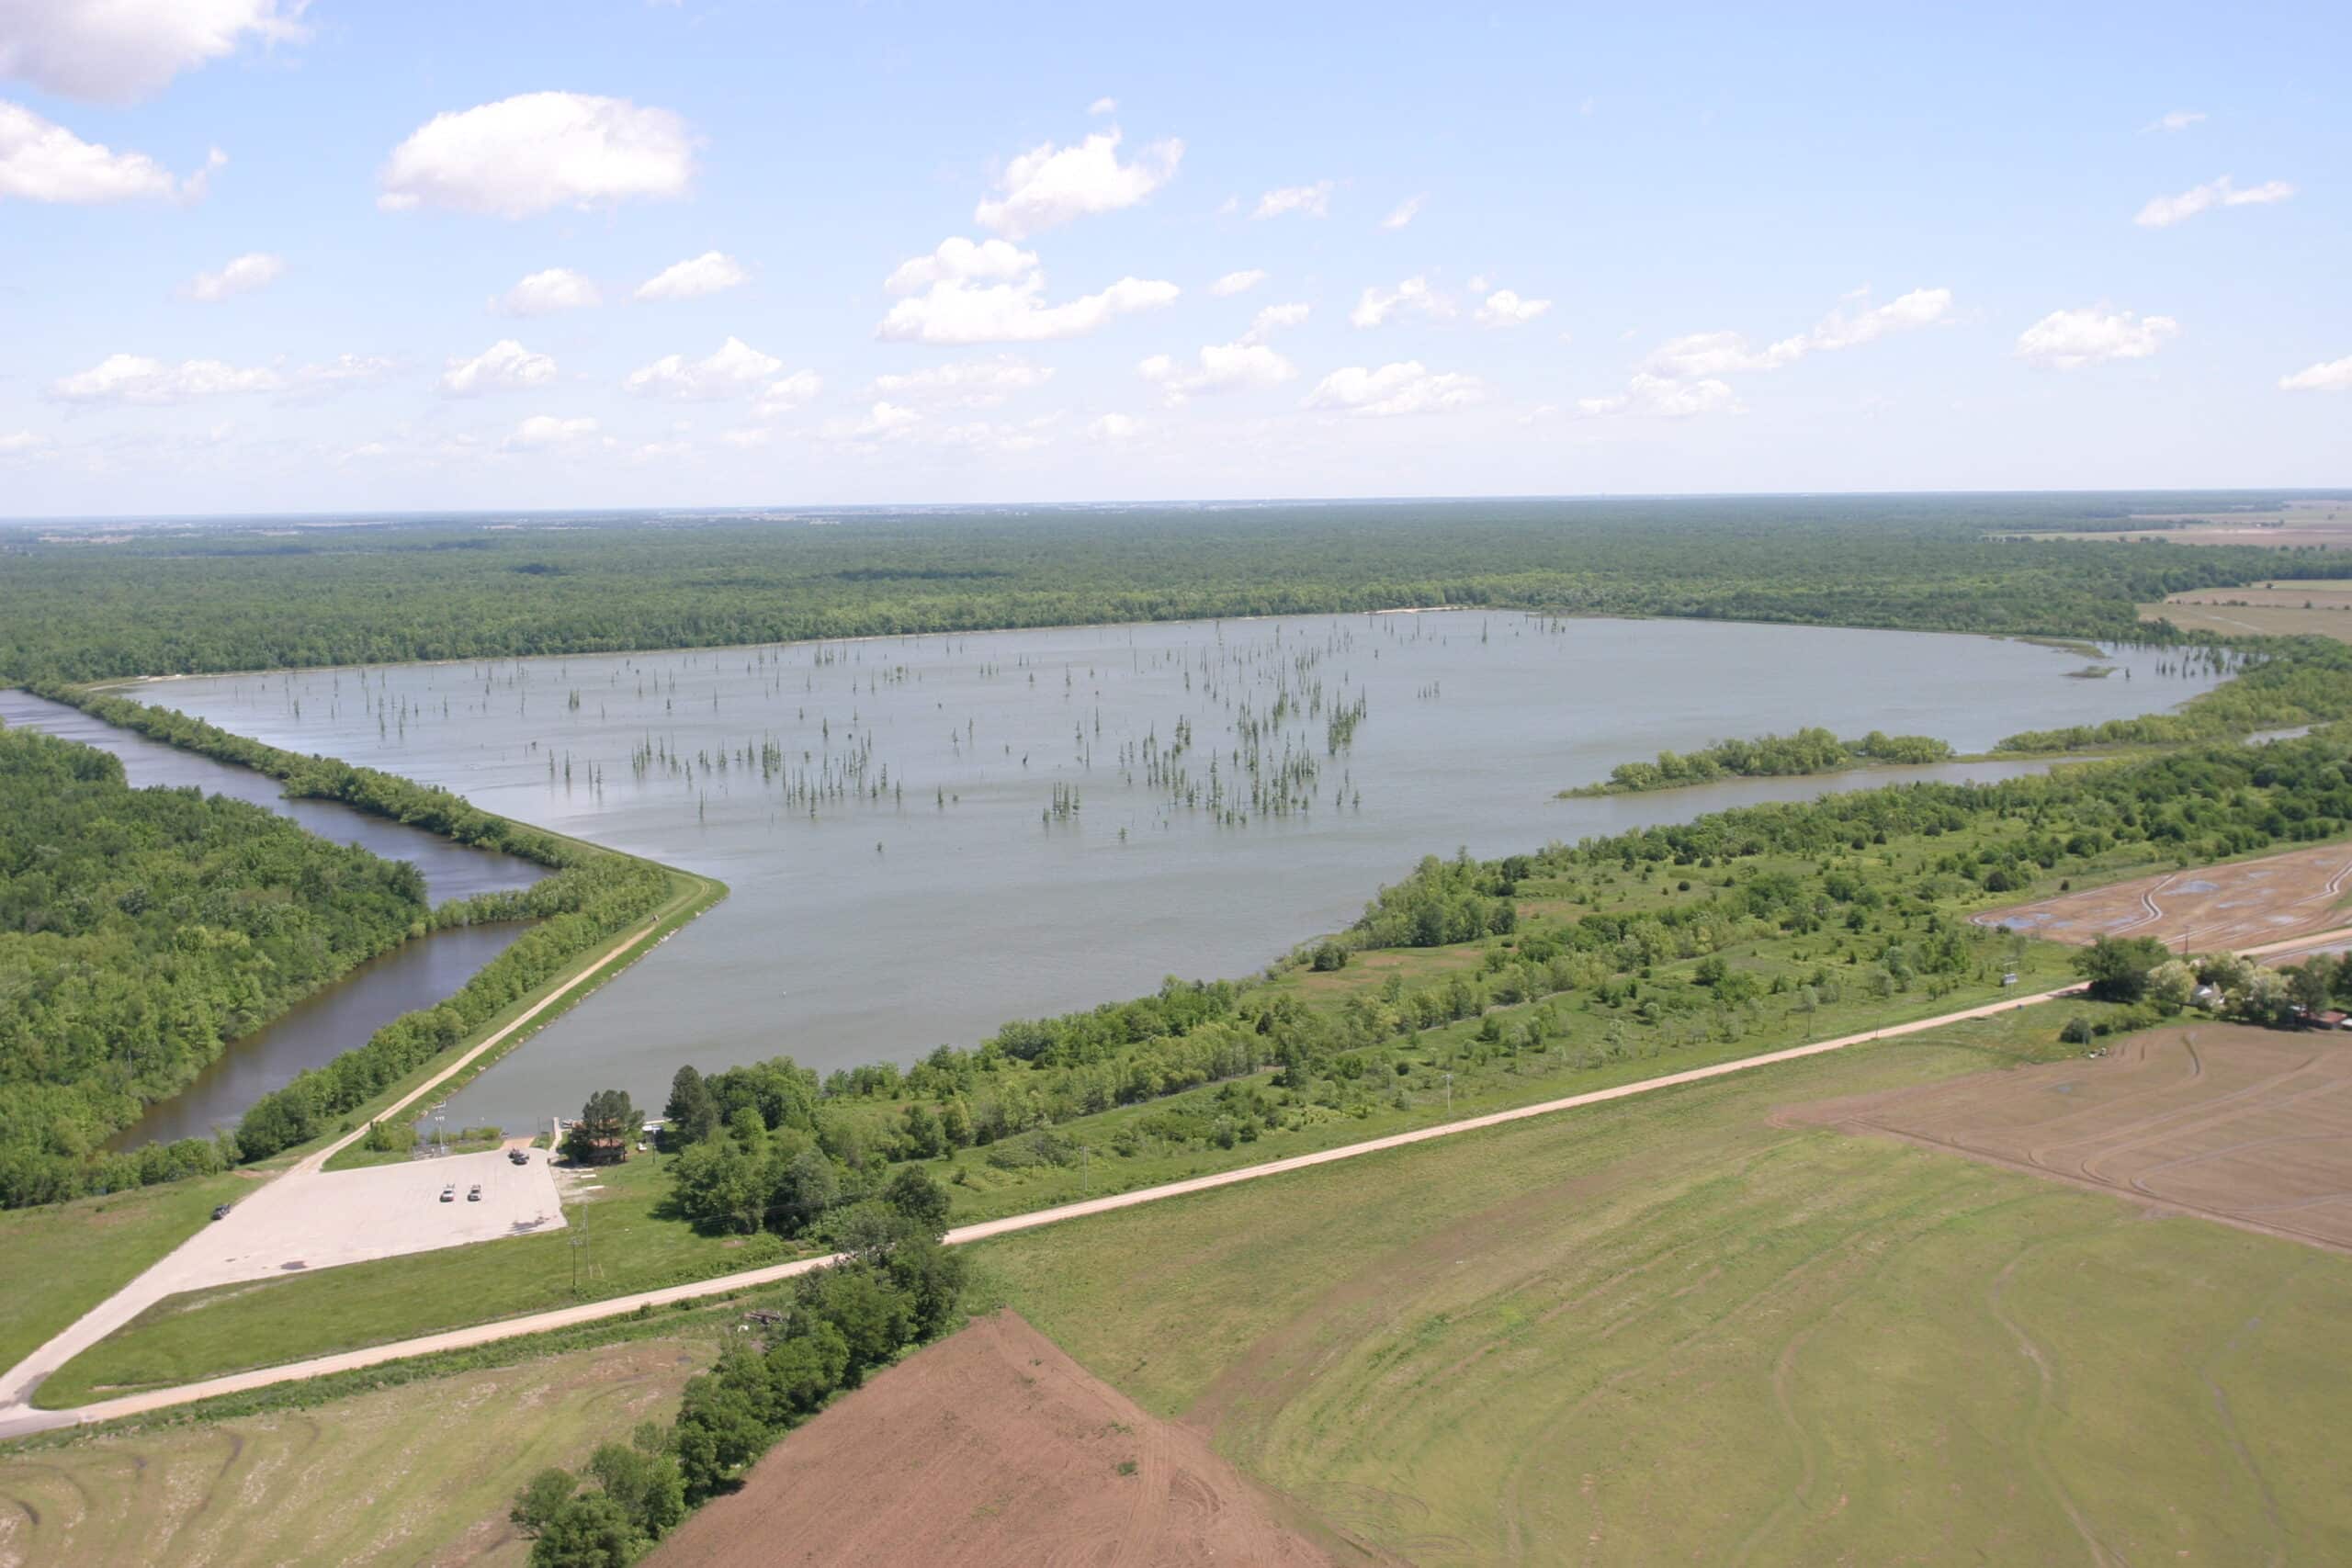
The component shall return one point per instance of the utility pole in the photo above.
(1449, 1094)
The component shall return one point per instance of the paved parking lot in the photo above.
(348, 1216)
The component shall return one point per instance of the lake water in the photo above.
(328, 1022)
(926, 836)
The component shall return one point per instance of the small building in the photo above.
(2328, 1020)
(600, 1151)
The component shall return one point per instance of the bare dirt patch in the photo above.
(2252, 1127)
(993, 1447)
(2244, 904)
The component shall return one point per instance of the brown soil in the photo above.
(993, 1447)
(2252, 1127)
(2216, 908)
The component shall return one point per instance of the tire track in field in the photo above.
(2206, 1373)
(2046, 1390)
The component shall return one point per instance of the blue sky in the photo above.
(1527, 250)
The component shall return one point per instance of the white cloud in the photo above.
(544, 293)
(1407, 387)
(2069, 340)
(959, 312)
(965, 383)
(747, 437)
(2164, 211)
(1273, 318)
(998, 439)
(884, 422)
(2329, 376)
(1377, 305)
(1047, 186)
(959, 260)
(344, 373)
(117, 50)
(1404, 212)
(255, 269)
(42, 161)
(729, 370)
(658, 451)
(1666, 398)
(16, 442)
(787, 393)
(1237, 282)
(135, 379)
(505, 366)
(710, 272)
(1504, 308)
(1697, 356)
(1113, 428)
(543, 430)
(1104, 106)
(1220, 367)
(1311, 201)
(2178, 119)
(537, 151)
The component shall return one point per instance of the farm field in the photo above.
(417, 1474)
(2252, 1127)
(994, 1447)
(2290, 607)
(2296, 524)
(2236, 905)
(1695, 1330)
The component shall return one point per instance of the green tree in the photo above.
(589, 1531)
(647, 1486)
(914, 1193)
(690, 1115)
(719, 1432)
(540, 1498)
(2172, 985)
(2117, 967)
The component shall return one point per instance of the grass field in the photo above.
(418, 1474)
(1679, 1330)
(71, 1256)
(2321, 607)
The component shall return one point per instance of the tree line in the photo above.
(1809, 751)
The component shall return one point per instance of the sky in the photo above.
(351, 255)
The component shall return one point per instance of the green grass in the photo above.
(405, 1475)
(68, 1257)
(201, 1334)
(1672, 1330)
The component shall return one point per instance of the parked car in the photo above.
(223, 1211)
(450, 1193)
(474, 1196)
(519, 1156)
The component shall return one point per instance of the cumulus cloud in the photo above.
(789, 393)
(1219, 367)
(1104, 106)
(1504, 308)
(1697, 355)
(1378, 305)
(16, 443)
(884, 422)
(505, 366)
(255, 269)
(1665, 397)
(710, 272)
(1110, 429)
(537, 151)
(2164, 211)
(544, 293)
(1237, 282)
(135, 379)
(116, 52)
(1409, 387)
(1047, 186)
(961, 306)
(2070, 340)
(1273, 318)
(42, 161)
(344, 373)
(965, 383)
(1404, 212)
(543, 430)
(2329, 376)
(732, 369)
(959, 260)
(2178, 119)
(1309, 201)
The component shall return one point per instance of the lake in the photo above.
(926, 836)
(330, 1021)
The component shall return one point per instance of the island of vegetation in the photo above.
(1809, 751)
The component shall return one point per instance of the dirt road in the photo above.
(17, 1415)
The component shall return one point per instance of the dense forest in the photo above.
(595, 896)
(176, 599)
(139, 931)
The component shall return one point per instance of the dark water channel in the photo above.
(331, 1021)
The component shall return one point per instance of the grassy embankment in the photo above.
(1674, 1330)
(635, 1247)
